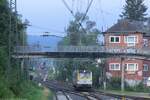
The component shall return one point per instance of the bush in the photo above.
(114, 83)
(5, 92)
(138, 88)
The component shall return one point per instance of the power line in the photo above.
(80, 23)
(67, 6)
(103, 19)
(44, 28)
(87, 11)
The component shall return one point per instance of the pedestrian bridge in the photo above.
(79, 52)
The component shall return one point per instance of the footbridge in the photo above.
(79, 52)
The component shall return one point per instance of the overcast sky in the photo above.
(52, 15)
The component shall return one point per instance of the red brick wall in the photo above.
(122, 43)
(134, 76)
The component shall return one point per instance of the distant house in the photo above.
(127, 34)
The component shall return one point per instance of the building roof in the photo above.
(126, 26)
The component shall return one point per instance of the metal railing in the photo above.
(101, 49)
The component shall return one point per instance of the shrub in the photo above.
(114, 83)
(138, 88)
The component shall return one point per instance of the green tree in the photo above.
(9, 87)
(134, 10)
(78, 35)
(81, 35)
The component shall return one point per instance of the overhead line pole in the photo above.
(13, 8)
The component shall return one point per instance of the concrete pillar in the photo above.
(22, 65)
(104, 83)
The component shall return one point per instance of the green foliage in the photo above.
(134, 10)
(9, 86)
(78, 35)
(114, 83)
(5, 92)
(29, 91)
(138, 88)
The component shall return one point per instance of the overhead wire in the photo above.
(67, 6)
(85, 14)
(103, 19)
(46, 29)
(73, 1)
(46, 35)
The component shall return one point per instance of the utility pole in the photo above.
(122, 74)
(13, 8)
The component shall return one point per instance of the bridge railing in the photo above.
(102, 49)
(81, 48)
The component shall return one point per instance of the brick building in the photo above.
(127, 34)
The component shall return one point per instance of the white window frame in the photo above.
(114, 39)
(145, 42)
(145, 65)
(135, 67)
(145, 79)
(114, 65)
(131, 43)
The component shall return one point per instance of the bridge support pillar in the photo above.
(22, 65)
(104, 83)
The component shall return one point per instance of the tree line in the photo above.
(11, 78)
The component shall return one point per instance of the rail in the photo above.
(98, 95)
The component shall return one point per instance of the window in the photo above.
(145, 79)
(145, 67)
(114, 39)
(131, 67)
(114, 66)
(145, 42)
(131, 40)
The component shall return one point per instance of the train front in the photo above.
(84, 79)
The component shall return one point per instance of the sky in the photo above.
(53, 16)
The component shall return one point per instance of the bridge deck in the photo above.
(79, 52)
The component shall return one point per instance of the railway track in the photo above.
(67, 89)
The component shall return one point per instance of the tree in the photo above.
(134, 10)
(83, 36)
(9, 86)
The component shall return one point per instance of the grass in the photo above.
(27, 91)
(39, 94)
(117, 92)
(30, 91)
(47, 94)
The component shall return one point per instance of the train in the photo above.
(82, 79)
